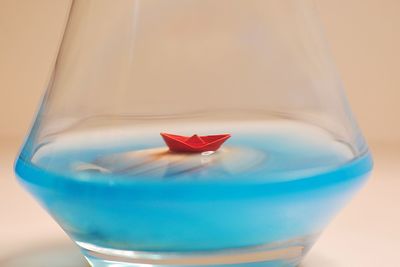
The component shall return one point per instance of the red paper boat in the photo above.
(195, 143)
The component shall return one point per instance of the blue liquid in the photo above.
(264, 187)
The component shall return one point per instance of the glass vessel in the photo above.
(253, 73)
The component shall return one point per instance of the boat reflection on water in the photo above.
(161, 162)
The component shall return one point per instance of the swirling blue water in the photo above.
(127, 192)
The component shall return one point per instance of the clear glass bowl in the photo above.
(255, 70)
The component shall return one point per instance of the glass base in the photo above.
(282, 254)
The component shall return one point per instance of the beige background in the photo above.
(364, 36)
